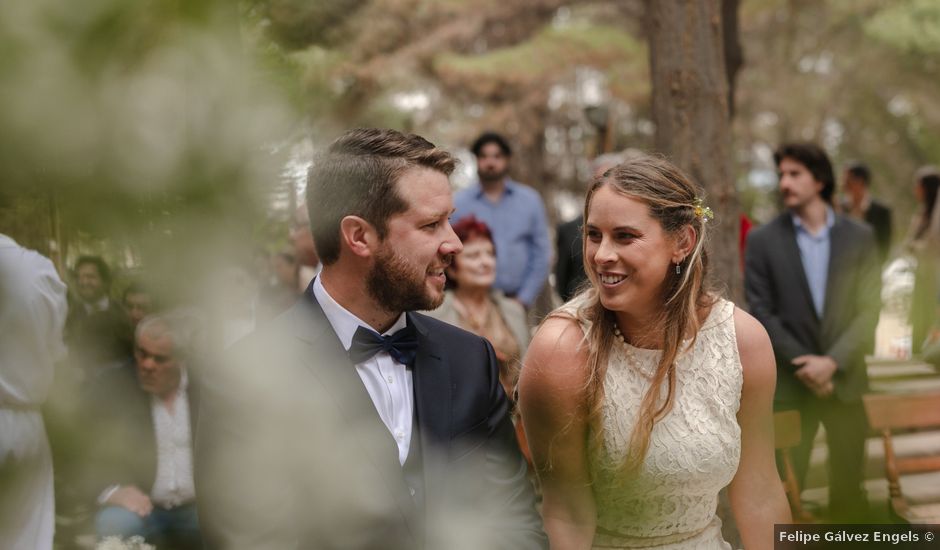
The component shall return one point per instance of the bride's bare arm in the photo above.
(756, 493)
(554, 406)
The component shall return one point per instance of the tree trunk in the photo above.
(734, 56)
(690, 109)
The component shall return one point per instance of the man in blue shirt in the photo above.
(811, 277)
(516, 216)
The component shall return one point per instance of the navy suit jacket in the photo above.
(291, 452)
(779, 297)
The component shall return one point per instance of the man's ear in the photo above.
(685, 243)
(359, 236)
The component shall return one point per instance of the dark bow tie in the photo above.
(402, 345)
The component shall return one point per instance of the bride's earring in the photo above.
(678, 269)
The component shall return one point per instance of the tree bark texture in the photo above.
(690, 109)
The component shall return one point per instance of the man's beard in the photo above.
(396, 286)
(491, 175)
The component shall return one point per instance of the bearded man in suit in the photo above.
(811, 277)
(860, 205)
(350, 421)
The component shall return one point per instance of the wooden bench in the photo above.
(888, 414)
(787, 435)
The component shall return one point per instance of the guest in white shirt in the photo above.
(32, 314)
(141, 460)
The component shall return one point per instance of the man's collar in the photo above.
(344, 322)
(180, 390)
(509, 187)
(101, 305)
(830, 220)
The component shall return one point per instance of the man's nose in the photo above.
(451, 244)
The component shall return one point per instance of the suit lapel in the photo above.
(836, 256)
(792, 257)
(433, 405)
(324, 355)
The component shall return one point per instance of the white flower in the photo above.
(116, 543)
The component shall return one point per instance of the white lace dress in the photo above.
(694, 451)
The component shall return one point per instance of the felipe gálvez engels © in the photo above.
(846, 536)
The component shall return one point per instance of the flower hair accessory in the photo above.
(702, 211)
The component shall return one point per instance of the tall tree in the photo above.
(691, 113)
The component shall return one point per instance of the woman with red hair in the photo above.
(472, 303)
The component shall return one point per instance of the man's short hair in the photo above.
(357, 176)
(490, 137)
(103, 271)
(184, 326)
(135, 287)
(859, 171)
(815, 160)
(158, 325)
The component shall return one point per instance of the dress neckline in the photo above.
(711, 321)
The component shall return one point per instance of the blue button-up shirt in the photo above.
(814, 253)
(520, 234)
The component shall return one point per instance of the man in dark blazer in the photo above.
(569, 241)
(97, 329)
(350, 421)
(141, 415)
(569, 264)
(812, 279)
(862, 206)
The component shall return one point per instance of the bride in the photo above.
(646, 394)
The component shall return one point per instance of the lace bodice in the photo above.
(693, 452)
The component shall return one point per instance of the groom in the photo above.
(351, 421)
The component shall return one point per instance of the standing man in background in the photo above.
(95, 324)
(514, 213)
(569, 263)
(33, 308)
(811, 278)
(860, 205)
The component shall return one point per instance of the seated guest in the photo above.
(472, 303)
(137, 303)
(142, 415)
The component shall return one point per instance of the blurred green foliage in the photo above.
(155, 129)
(140, 129)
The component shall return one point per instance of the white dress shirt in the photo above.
(388, 382)
(173, 484)
(102, 304)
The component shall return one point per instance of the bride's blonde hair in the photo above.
(675, 202)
